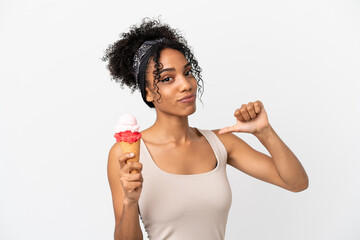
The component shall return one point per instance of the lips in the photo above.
(188, 98)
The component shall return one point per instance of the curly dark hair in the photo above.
(121, 53)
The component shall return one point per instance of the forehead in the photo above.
(171, 58)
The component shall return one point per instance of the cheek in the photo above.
(194, 83)
(165, 95)
(162, 95)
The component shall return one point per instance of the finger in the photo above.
(227, 129)
(132, 177)
(238, 116)
(251, 110)
(257, 106)
(124, 157)
(135, 166)
(136, 187)
(131, 186)
(130, 166)
(244, 113)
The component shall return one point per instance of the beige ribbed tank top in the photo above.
(185, 207)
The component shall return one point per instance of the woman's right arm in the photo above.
(125, 190)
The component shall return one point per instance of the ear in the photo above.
(149, 95)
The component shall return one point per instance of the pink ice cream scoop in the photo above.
(127, 122)
(128, 136)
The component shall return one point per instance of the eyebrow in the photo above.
(172, 69)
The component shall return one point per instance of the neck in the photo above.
(170, 128)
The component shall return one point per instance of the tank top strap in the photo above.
(145, 157)
(216, 144)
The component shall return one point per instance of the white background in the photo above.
(58, 108)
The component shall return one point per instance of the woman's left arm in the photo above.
(282, 168)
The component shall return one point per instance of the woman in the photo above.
(181, 189)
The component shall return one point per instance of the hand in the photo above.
(131, 182)
(250, 118)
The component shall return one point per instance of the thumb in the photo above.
(227, 129)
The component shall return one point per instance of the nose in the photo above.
(185, 84)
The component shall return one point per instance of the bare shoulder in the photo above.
(146, 135)
(225, 136)
(239, 152)
(115, 150)
(230, 140)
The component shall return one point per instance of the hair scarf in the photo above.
(141, 59)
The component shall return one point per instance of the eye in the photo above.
(188, 72)
(165, 79)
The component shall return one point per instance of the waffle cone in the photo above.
(132, 148)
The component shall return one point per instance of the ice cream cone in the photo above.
(128, 135)
(131, 148)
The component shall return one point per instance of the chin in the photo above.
(176, 111)
(189, 111)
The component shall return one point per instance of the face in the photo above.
(177, 85)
